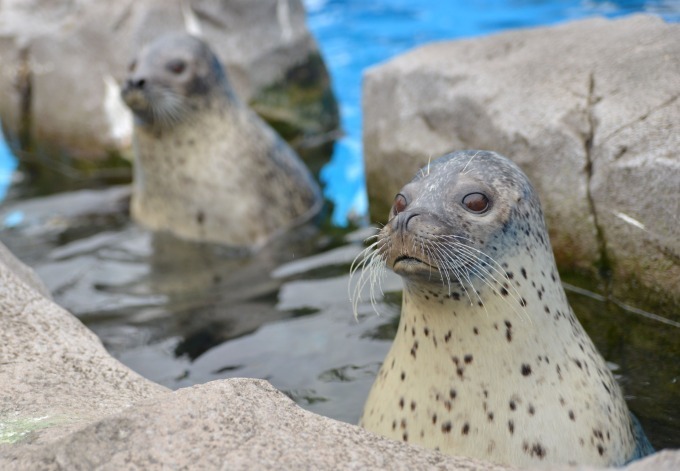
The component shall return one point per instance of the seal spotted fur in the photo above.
(489, 360)
(206, 167)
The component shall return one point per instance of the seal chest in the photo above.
(206, 167)
(489, 360)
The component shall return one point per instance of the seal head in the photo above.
(489, 361)
(171, 75)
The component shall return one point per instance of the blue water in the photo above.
(356, 34)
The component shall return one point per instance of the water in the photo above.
(182, 313)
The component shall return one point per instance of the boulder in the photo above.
(588, 109)
(55, 375)
(62, 61)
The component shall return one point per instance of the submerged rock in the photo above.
(589, 110)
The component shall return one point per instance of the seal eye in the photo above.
(476, 202)
(176, 66)
(399, 203)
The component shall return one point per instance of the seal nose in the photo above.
(403, 220)
(135, 83)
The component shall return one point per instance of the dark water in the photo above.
(182, 313)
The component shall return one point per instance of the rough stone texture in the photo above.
(590, 111)
(66, 404)
(24, 273)
(55, 375)
(61, 60)
(228, 424)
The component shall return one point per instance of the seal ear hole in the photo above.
(476, 203)
(400, 204)
(176, 66)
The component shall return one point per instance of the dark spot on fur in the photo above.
(413, 405)
(200, 217)
(526, 370)
(466, 429)
(490, 416)
(524, 273)
(446, 427)
(401, 403)
(513, 406)
(511, 426)
(434, 419)
(403, 376)
(467, 359)
(475, 330)
(571, 415)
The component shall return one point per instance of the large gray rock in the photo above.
(62, 59)
(55, 375)
(590, 110)
(66, 404)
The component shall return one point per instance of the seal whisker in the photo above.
(495, 266)
(479, 267)
(468, 163)
(371, 262)
(498, 269)
(463, 269)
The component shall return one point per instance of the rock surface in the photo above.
(55, 375)
(589, 110)
(66, 404)
(62, 61)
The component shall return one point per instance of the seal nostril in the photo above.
(404, 218)
(135, 83)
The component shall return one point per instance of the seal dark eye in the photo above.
(399, 203)
(176, 66)
(476, 202)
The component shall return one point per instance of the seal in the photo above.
(206, 167)
(489, 360)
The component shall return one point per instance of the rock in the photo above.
(227, 424)
(589, 110)
(62, 61)
(55, 375)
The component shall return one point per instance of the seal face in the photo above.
(206, 167)
(489, 360)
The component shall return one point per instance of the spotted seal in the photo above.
(206, 167)
(489, 360)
